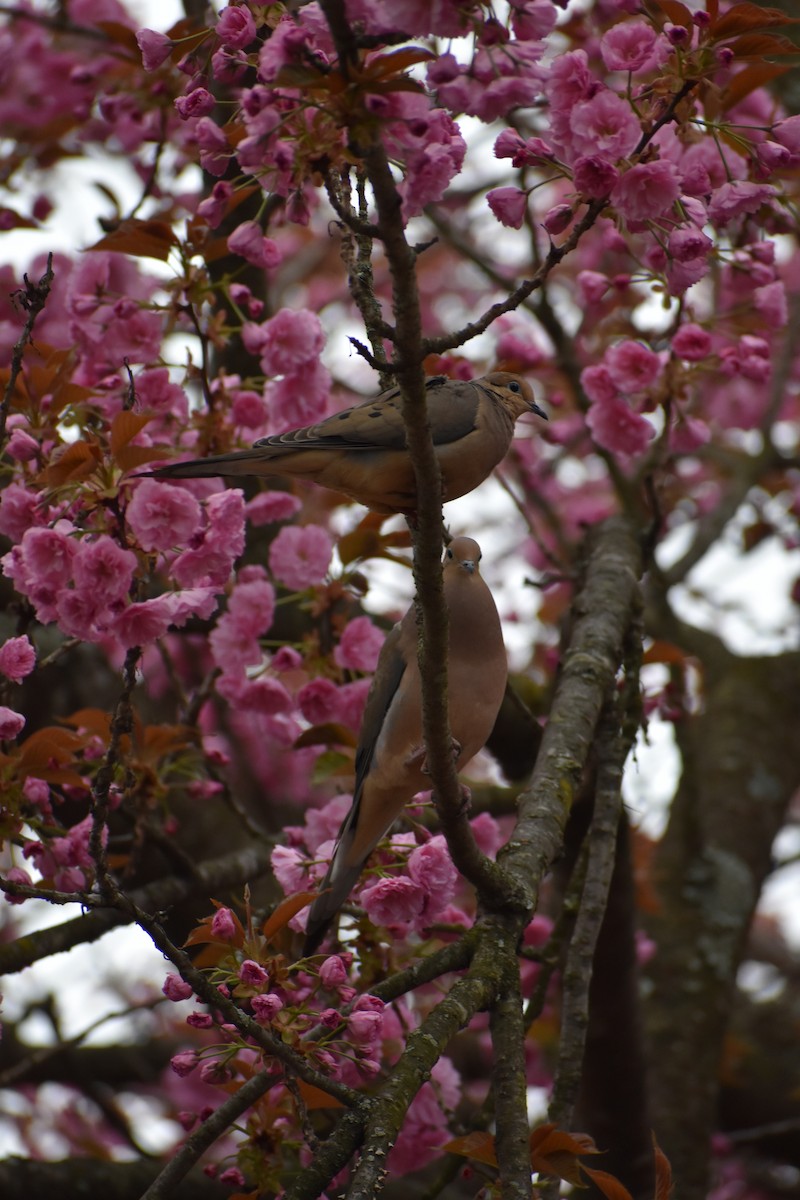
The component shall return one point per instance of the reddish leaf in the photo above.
(314, 1097)
(124, 428)
(746, 81)
(51, 742)
(678, 13)
(329, 734)
(663, 1172)
(664, 652)
(131, 457)
(609, 1185)
(555, 1152)
(93, 720)
(283, 914)
(74, 462)
(122, 35)
(759, 45)
(395, 61)
(479, 1146)
(142, 239)
(744, 18)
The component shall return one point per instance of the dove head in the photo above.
(463, 554)
(515, 394)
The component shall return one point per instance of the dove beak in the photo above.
(534, 407)
(469, 565)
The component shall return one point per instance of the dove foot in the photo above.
(455, 749)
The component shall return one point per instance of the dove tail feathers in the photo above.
(239, 462)
(332, 895)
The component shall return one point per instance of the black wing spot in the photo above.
(376, 412)
(343, 416)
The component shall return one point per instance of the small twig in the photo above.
(206, 1134)
(121, 726)
(32, 298)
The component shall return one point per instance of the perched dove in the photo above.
(361, 452)
(390, 758)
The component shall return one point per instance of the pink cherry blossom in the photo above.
(509, 205)
(103, 569)
(596, 381)
(594, 176)
(787, 133)
(176, 988)
(431, 866)
(692, 343)
(143, 622)
(199, 102)
(687, 434)
(731, 200)
(269, 507)
(47, 556)
(252, 973)
(248, 241)
(162, 516)
(215, 153)
(17, 875)
(251, 607)
(604, 126)
(235, 26)
(593, 286)
(359, 645)
(155, 47)
(300, 397)
(617, 428)
(223, 925)
(19, 510)
(233, 648)
(300, 555)
(352, 700)
(633, 367)
(249, 409)
(17, 658)
(11, 723)
(570, 82)
(318, 701)
(22, 447)
(558, 218)
(366, 1019)
(289, 869)
(184, 1063)
(215, 205)
(156, 392)
(770, 301)
(287, 341)
(646, 191)
(394, 901)
(487, 834)
(633, 46)
(332, 972)
(265, 696)
(266, 1007)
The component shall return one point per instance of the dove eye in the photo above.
(449, 554)
(513, 386)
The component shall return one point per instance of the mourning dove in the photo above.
(361, 451)
(390, 758)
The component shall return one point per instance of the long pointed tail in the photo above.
(325, 908)
(239, 462)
